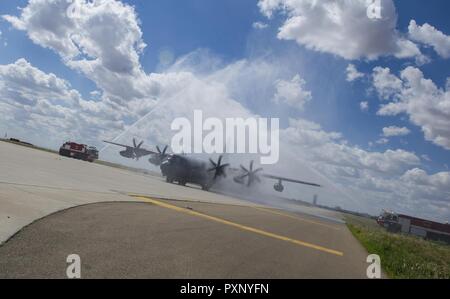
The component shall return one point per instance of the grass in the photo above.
(402, 256)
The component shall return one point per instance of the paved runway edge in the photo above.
(239, 226)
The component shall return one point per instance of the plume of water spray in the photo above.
(158, 105)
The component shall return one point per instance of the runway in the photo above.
(128, 225)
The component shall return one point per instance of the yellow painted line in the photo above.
(295, 217)
(237, 225)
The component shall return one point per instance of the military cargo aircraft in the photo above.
(184, 169)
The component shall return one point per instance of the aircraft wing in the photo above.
(118, 144)
(144, 152)
(234, 169)
(279, 178)
(139, 150)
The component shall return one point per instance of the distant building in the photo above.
(415, 226)
(315, 200)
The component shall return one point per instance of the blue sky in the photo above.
(225, 31)
(225, 28)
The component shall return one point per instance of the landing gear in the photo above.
(171, 180)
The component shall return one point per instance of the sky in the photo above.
(364, 104)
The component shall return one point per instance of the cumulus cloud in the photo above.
(292, 92)
(328, 152)
(364, 106)
(439, 180)
(352, 73)
(41, 102)
(385, 179)
(331, 148)
(395, 131)
(382, 141)
(427, 105)
(342, 28)
(429, 35)
(260, 25)
(103, 41)
(386, 84)
(25, 85)
(432, 187)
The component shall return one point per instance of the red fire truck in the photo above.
(79, 151)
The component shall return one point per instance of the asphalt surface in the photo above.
(35, 183)
(53, 207)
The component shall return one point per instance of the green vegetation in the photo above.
(402, 256)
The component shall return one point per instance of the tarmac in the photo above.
(124, 224)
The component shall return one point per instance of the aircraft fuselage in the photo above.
(186, 170)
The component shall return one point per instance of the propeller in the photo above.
(218, 168)
(162, 153)
(249, 173)
(137, 145)
(159, 157)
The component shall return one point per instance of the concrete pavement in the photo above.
(171, 232)
(144, 240)
(35, 183)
